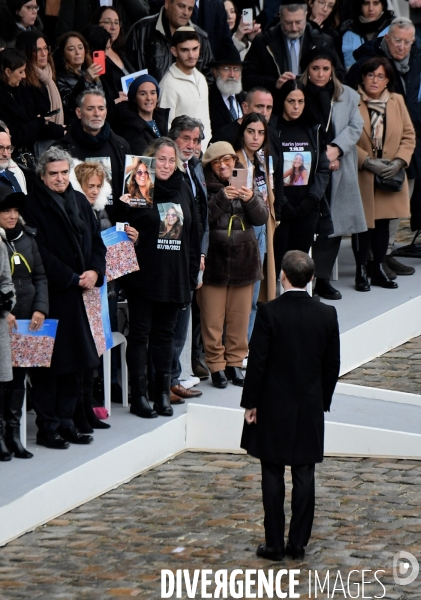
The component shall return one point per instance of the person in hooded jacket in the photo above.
(140, 120)
(31, 290)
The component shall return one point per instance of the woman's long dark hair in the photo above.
(290, 86)
(26, 42)
(333, 20)
(96, 18)
(97, 37)
(356, 8)
(59, 53)
(239, 140)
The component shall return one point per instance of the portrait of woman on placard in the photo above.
(297, 174)
(171, 226)
(139, 184)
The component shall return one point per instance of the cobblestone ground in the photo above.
(203, 511)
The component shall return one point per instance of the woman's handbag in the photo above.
(394, 184)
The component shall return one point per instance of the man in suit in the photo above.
(292, 371)
(274, 56)
(225, 94)
(7, 179)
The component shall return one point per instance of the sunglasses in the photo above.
(140, 172)
(227, 160)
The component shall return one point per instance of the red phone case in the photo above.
(99, 59)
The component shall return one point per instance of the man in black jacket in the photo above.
(399, 47)
(293, 367)
(148, 43)
(7, 179)
(92, 137)
(274, 56)
(226, 93)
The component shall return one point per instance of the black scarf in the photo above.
(169, 187)
(319, 104)
(91, 141)
(373, 26)
(13, 234)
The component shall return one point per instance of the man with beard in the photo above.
(7, 178)
(226, 95)
(92, 137)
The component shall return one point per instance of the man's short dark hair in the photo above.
(185, 123)
(255, 89)
(298, 268)
(180, 37)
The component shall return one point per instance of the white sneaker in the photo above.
(244, 365)
(190, 382)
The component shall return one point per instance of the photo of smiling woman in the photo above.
(139, 183)
(297, 173)
(171, 226)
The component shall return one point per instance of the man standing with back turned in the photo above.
(292, 371)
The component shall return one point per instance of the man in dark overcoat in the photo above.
(73, 255)
(292, 371)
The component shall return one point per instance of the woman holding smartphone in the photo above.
(233, 265)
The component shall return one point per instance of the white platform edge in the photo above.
(349, 389)
(203, 428)
(92, 479)
(379, 335)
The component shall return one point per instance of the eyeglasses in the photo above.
(324, 4)
(171, 215)
(399, 42)
(228, 69)
(374, 76)
(140, 172)
(6, 149)
(45, 50)
(109, 22)
(226, 160)
(31, 8)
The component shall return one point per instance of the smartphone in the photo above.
(99, 59)
(52, 112)
(248, 16)
(239, 178)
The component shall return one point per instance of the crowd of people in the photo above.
(248, 129)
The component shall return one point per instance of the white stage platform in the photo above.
(363, 421)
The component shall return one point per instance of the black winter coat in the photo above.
(233, 257)
(31, 287)
(148, 46)
(269, 57)
(70, 85)
(130, 125)
(74, 348)
(292, 371)
(410, 92)
(17, 110)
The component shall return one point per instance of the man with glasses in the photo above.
(399, 47)
(226, 93)
(274, 56)
(7, 179)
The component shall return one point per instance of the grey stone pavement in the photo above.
(203, 511)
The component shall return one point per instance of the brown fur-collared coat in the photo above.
(399, 142)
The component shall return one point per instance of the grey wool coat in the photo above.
(6, 286)
(345, 200)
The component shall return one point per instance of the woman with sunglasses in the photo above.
(139, 184)
(233, 264)
(40, 80)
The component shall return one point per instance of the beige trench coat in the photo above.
(399, 142)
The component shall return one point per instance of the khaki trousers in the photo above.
(229, 306)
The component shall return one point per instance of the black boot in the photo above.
(139, 405)
(361, 281)
(4, 452)
(324, 289)
(162, 403)
(15, 403)
(380, 278)
(79, 417)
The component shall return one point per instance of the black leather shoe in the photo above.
(55, 441)
(324, 289)
(219, 379)
(235, 375)
(361, 281)
(380, 278)
(264, 551)
(72, 435)
(296, 553)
